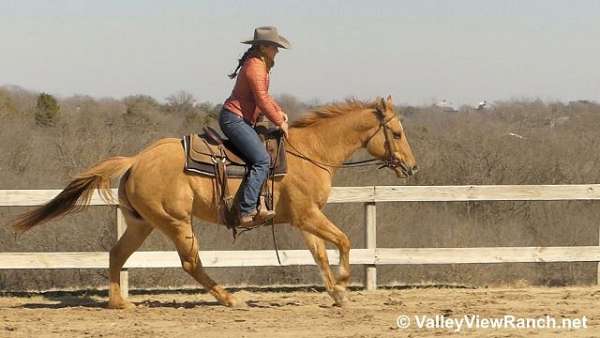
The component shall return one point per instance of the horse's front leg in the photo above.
(316, 228)
(317, 248)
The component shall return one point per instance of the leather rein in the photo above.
(390, 161)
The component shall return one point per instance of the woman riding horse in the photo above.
(156, 193)
(240, 112)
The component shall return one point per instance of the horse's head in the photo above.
(389, 142)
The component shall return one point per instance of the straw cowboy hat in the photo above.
(268, 34)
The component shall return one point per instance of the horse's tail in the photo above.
(77, 195)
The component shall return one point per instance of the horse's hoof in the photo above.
(121, 305)
(343, 302)
(339, 297)
(231, 302)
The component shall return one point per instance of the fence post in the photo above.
(371, 243)
(124, 275)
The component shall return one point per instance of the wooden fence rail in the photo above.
(370, 257)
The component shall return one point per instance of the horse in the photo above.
(155, 193)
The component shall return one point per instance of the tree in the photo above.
(293, 107)
(46, 112)
(209, 110)
(180, 102)
(137, 104)
(6, 104)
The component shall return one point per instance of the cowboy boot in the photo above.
(248, 220)
(263, 215)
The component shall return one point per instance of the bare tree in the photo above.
(180, 102)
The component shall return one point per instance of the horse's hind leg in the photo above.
(182, 234)
(135, 234)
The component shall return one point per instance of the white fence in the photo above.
(371, 256)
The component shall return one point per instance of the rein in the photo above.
(390, 162)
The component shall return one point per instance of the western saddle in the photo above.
(213, 155)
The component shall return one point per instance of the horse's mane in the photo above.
(331, 110)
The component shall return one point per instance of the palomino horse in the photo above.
(155, 192)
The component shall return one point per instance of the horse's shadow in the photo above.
(87, 303)
(176, 305)
(96, 299)
(89, 299)
(61, 302)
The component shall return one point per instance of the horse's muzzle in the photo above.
(413, 170)
(404, 170)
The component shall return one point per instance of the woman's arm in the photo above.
(256, 73)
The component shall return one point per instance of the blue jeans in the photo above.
(247, 142)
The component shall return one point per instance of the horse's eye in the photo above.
(397, 136)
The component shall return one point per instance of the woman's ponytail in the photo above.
(248, 54)
(253, 51)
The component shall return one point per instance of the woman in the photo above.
(240, 111)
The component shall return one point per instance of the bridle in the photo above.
(390, 160)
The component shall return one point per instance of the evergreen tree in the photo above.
(47, 109)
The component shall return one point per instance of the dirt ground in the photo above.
(305, 313)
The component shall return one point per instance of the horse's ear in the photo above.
(389, 102)
(380, 104)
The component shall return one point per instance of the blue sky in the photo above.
(417, 51)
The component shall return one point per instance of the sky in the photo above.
(419, 52)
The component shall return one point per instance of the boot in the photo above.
(247, 220)
(263, 215)
(258, 216)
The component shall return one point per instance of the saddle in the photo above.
(204, 151)
(213, 155)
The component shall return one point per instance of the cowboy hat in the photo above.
(268, 34)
